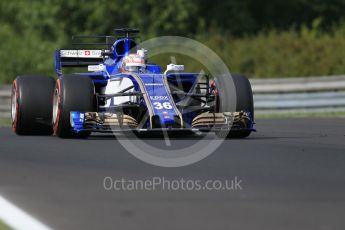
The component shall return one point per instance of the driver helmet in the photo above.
(133, 63)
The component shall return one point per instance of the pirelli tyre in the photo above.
(31, 105)
(244, 102)
(72, 93)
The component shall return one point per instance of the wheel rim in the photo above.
(55, 105)
(13, 105)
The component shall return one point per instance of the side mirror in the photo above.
(173, 67)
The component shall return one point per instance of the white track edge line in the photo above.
(18, 219)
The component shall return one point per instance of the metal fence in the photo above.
(299, 95)
(284, 95)
(5, 101)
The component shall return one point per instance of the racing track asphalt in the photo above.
(293, 174)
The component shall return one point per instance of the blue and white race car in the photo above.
(123, 92)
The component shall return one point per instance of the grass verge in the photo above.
(3, 226)
(300, 115)
(5, 122)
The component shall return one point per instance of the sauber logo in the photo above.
(159, 98)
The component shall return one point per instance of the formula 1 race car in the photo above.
(122, 92)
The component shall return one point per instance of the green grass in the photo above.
(300, 115)
(5, 122)
(3, 226)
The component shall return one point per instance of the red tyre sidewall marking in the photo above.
(56, 125)
(215, 91)
(214, 88)
(16, 119)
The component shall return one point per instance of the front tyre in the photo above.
(31, 105)
(244, 102)
(72, 93)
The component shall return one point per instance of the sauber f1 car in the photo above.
(122, 92)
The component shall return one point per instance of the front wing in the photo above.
(116, 122)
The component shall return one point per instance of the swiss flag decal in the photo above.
(87, 52)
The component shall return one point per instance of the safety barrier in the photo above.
(5, 101)
(283, 95)
(299, 95)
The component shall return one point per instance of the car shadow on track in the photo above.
(144, 137)
(179, 137)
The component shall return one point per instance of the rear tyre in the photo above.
(72, 93)
(31, 105)
(244, 102)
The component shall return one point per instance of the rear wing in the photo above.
(95, 49)
(101, 45)
(78, 58)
